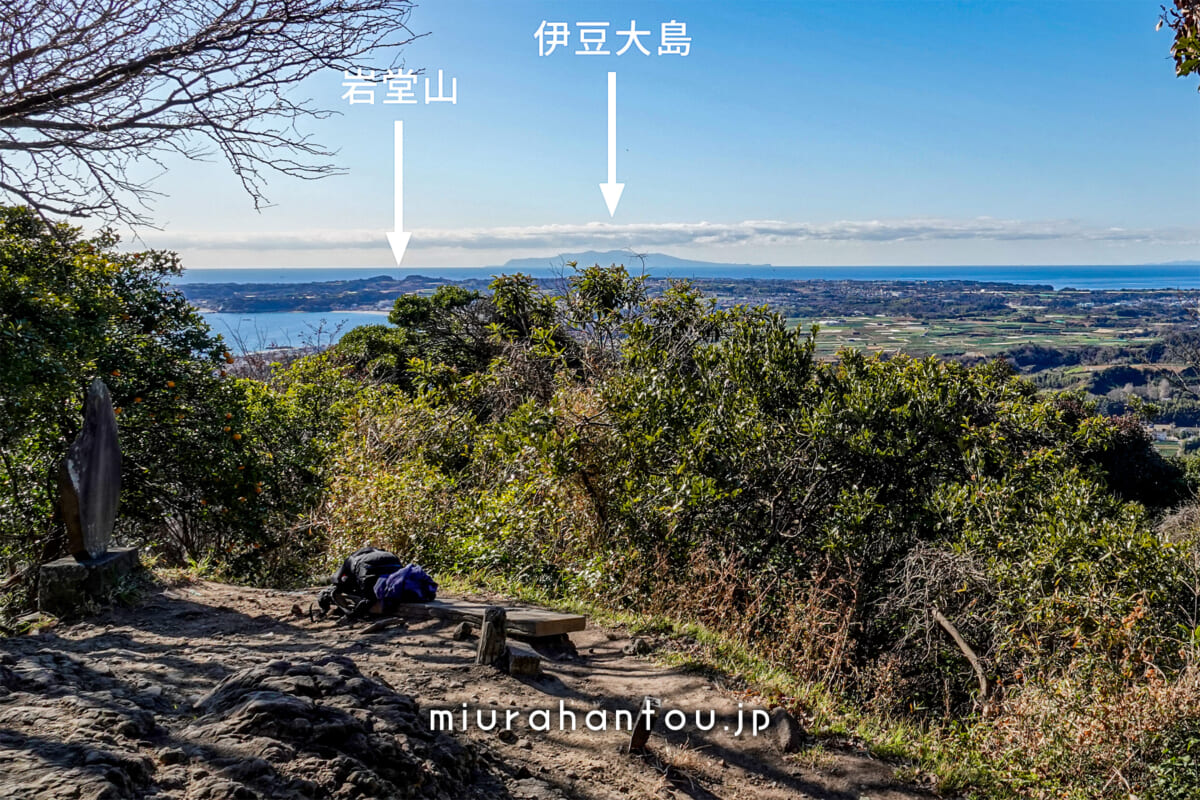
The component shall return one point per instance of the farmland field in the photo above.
(969, 337)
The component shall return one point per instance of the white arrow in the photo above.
(612, 190)
(398, 238)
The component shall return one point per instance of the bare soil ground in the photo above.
(204, 690)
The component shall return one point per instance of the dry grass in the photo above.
(685, 766)
(1072, 737)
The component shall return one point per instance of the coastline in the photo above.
(1185, 275)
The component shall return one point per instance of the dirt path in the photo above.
(210, 691)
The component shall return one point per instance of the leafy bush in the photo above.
(211, 464)
(832, 507)
(1175, 773)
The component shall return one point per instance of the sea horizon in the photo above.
(1080, 276)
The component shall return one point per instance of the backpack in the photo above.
(362, 568)
(410, 584)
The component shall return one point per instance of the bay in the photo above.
(256, 332)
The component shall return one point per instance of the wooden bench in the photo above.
(533, 623)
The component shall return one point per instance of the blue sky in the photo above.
(798, 133)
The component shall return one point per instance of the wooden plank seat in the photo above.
(526, 622)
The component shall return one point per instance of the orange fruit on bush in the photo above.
(227, 429)
(237, 437)
(170, 384)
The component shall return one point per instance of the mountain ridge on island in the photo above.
(632, 261)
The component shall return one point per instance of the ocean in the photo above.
(262, 331)
(1152, 276)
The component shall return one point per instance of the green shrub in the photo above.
(211, 464)
(830, 507)
(1175, 773)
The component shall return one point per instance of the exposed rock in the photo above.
(534, 789)
(523, 661)
(636, 647)
(321, 729)
(786, 731)
(297, 730)
(68, 585)
(172, 755)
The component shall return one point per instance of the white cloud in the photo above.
(756, 233)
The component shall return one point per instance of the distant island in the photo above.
(633, 261)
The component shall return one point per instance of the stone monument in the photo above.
(89, 481)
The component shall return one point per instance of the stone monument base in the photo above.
(67, 585)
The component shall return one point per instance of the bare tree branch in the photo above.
(91, 88)
(948, 626)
